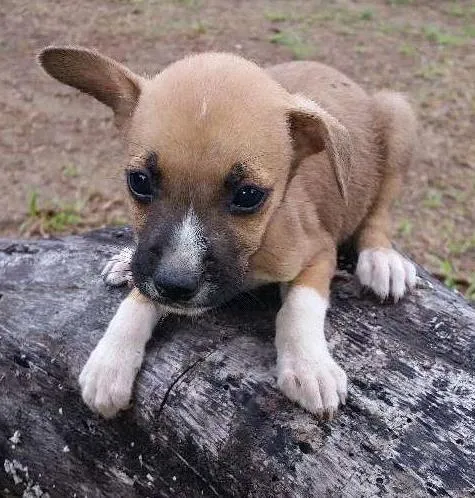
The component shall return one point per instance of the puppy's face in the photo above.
(212, 143)
(196, 234)
(207, 168)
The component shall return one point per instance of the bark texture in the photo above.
(207, 418)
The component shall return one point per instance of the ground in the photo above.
(61, 156)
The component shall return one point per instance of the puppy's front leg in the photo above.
(307, 373)
(108, 376)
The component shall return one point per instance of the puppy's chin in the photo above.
(187, 311)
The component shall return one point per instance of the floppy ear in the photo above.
(87, 70)
(313, 129)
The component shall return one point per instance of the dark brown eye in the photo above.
(140, 186)
(248, 199)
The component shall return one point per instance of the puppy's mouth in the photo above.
(191, 307)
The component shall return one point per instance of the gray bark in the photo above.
(207, 418)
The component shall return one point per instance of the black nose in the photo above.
(176, 286)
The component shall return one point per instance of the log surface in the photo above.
(207, 418)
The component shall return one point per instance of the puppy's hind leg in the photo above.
(117, 271)
(380, 267)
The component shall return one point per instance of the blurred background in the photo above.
(60, 154)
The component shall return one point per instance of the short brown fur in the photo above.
(331, 156)
(223, 126)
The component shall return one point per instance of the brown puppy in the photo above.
(240, 176)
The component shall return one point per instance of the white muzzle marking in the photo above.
(187, 248)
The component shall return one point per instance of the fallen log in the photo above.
(208, 419)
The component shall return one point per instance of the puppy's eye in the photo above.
(248, 199)
(140, 186)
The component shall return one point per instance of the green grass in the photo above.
(433, 199)
(405, 228)
(367, 15)
(456, 11)
(402, 30)
(199, 27)
(361, 48)
(436, 35)
(458, 247)
(469, 30)
(33, 205)
(346, 30)
(448, 272)
(407, 49)
(432, 71)
(336, 14)
(119, 221)
(70, 171)
(457, 194)
(61, 220)
(461, 11)
(55, 218)
(276, 16)
(294, 43)
(187, 3)
(400, 2)
(470, 292)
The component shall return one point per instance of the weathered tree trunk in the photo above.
(207, 418)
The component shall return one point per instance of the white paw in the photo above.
(386, 272)
(317, 384)
(117, 270)
(107, 378)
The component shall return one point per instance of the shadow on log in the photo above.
(207, 418)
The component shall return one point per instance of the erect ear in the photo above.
(313, 129)
(91, 72)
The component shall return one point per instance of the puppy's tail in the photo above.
(397, 126)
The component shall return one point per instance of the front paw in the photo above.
(317, 384)
(107, 379)
(117, 270)
(386, 272)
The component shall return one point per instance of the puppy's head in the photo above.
(212, 144)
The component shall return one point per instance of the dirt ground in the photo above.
(60, 156)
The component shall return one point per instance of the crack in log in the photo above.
(178, 379)
(162, 406)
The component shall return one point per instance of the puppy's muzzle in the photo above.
(175, 285)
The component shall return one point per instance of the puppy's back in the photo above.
(355, 109)
(329, 87)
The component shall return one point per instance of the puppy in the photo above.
(240, 176)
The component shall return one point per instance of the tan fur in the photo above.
(383, 133)
(198, 115)
(319, 273)
(91, 72)
(397, 127)
(331, 156)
